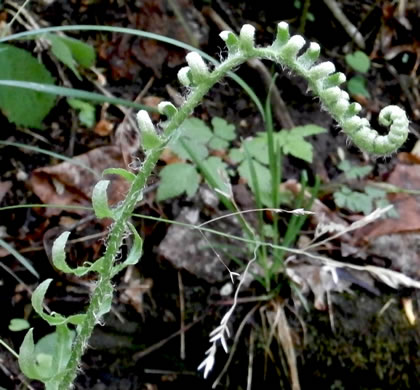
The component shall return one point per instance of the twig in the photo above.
(20, 377)
(30, 23)
(402, 81)
(9, 349)
(304, 16)
(19, 280)
(178, 13)
(220, 333)
(251, 359)
(182, 315)
(285, 338)
(155, 371)
(141, 354)
(127, 112)
(345, 22)
(330, 311)
(386, 306)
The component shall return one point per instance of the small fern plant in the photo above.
(61, 371)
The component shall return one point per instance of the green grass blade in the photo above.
(52, 154)
(227, 202)
(296, 221)
(45, 205)
(255, 185)
(257, 193)
(274, 161)
(159, 219)
(9, 349)
(74, 93)
(142, 34)
(272, 155)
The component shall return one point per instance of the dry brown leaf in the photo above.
(127, 138)
(134, 292)
(5, 186)
(409, 311)
(409, 158)
(125, 54)
(397, 240)
(4, 252)
(69, 184)
(318, 279)
(408, 206)
(103, 128)
(169, 157)
(153, 101)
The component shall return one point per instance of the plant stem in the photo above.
(355, 127)
(104, 287)
(9, 349)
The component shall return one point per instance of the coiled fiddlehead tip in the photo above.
(396, 118)
(369, 140)
(391, 114)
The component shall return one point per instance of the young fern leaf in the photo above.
(46, 368)
(198, 68)
(53, 318)
(100, 200)
(134, 254)
(323, 80)
(149, 135)
(168, 109)
(26, 359)
(59, 258)
(231, 40)
(127, 175)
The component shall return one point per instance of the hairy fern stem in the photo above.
(324, 83)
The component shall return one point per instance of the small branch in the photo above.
(178, 13)
(9, 349)
(182, 315)
(304, 16)
(345, 22)
(161, 343)
(251, 359)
